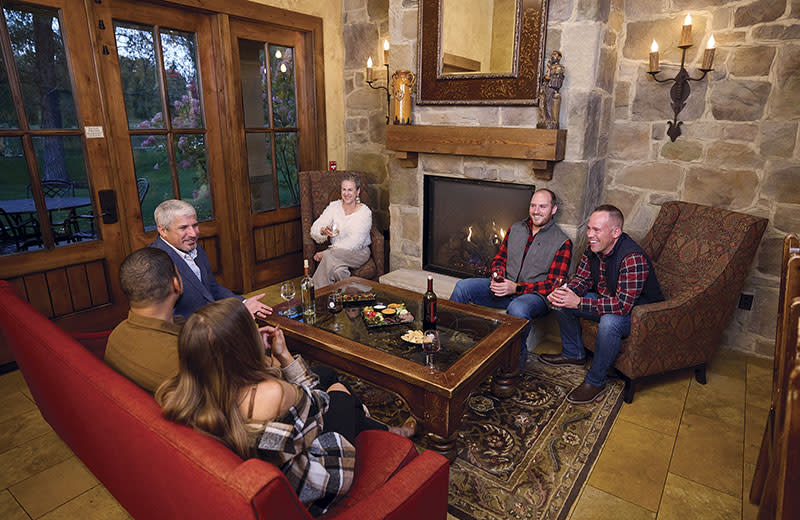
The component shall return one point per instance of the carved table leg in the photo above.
(445, 446)
(503, 383)
(505, 379)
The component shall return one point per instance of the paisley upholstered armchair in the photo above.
(702, 256)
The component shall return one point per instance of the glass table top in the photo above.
(459, 332)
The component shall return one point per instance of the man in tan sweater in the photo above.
(144, 347)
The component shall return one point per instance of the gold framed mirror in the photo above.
(481, 52)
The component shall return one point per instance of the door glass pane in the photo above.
(139, 71)
(286, 168)
(8, 117)
(259, 167)
(180, 66)
(42, 66)
(65, 185)
(254, 84)
(151, 162)
(190, 154)
(19, 227)
(64, 181)
(284, 97)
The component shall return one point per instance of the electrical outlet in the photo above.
(746, 301)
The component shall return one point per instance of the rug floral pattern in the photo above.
(526, 456)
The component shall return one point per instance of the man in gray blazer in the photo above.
(178, 233)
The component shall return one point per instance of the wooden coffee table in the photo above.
(476, 343)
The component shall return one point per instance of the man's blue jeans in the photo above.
(610, 331)
(528, 306)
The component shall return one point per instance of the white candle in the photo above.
(708, 55)
(369, 69)
(686, 32)
(385, 51)
(653, 58)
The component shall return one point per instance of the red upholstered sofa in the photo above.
(159, 469)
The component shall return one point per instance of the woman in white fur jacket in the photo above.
(346, 223)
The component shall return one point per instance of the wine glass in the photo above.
(334, 229)
(430, 345)
(287, 290)
(335, 306)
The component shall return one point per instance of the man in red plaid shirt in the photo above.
(613, 276)
(533, 259)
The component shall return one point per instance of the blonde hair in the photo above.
(220, 353)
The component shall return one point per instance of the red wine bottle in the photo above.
(429, 318)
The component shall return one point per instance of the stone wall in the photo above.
(586, 112)
(365, 26)
(739, 147)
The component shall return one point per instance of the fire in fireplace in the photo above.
(465, 222)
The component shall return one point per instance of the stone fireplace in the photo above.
(465, 221)
(740, 149)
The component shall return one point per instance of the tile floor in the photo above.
(680, 451)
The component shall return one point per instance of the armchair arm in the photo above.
(377, 248)
(266, 488)
(418, 490)
(679, 332)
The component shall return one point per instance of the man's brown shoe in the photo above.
(559, 359)
(585, 393)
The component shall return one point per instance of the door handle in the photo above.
(108, 206)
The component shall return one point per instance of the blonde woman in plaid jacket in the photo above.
(241, 385)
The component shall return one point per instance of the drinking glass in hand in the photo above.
(430, 345)
(334, 229)
(335, 306)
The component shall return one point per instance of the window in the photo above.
(43, 178)
(160, 75)
(269, 98)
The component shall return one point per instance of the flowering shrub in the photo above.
(190, 150)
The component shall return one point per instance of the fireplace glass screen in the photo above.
(465, 222)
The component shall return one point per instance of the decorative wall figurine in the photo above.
(549, 98)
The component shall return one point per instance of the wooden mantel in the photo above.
(543, 147)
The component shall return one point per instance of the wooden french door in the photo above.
(55, 168)
(108, 108)
(274, 118)
(161, 77)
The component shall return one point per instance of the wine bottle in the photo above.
(429, 318)
(307, 292)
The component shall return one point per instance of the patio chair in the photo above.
(54, 188)
(21, 233)
(317, 190)
(142, 185)
(701, 256)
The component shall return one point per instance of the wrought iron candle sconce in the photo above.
(680, 90)
(370, 79)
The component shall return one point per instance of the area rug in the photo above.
(525, 456)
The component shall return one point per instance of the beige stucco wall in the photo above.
(331, 13)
